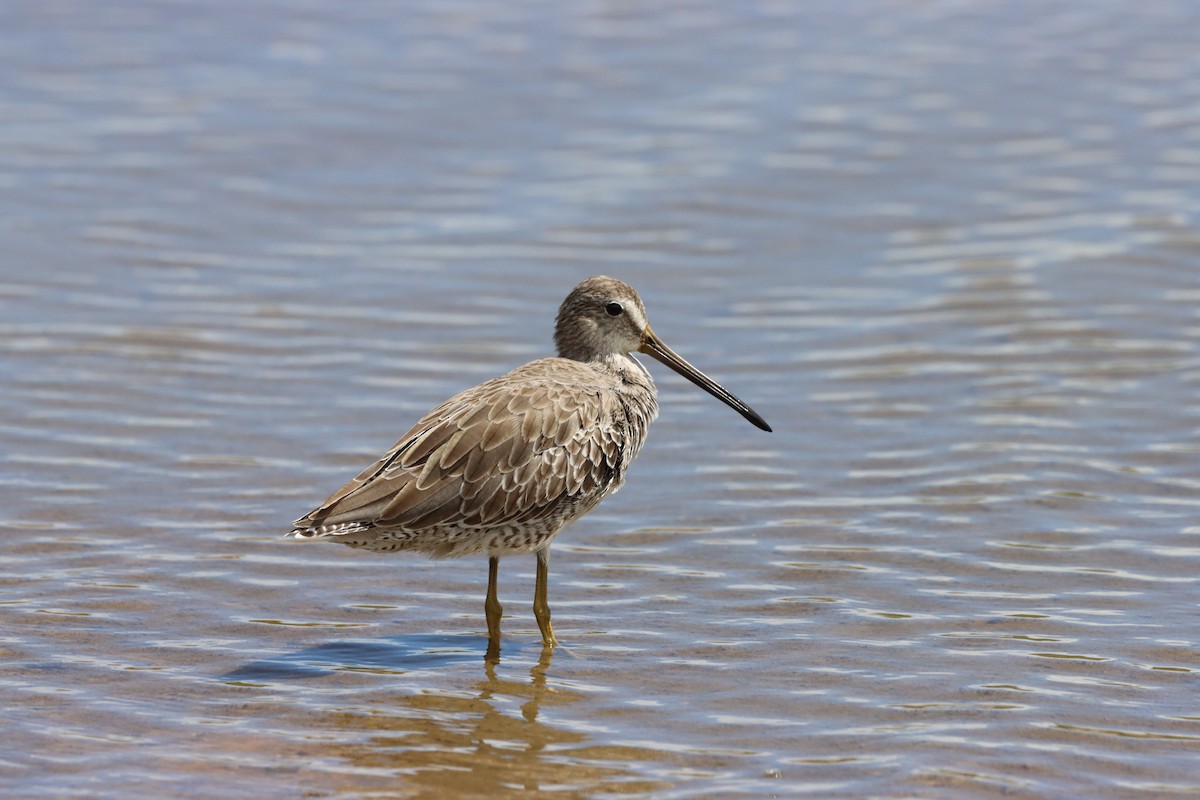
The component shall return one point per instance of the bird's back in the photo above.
(500, 467)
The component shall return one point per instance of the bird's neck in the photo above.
(628, 369)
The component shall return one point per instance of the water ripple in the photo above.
(948, 250)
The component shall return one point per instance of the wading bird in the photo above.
(500, 468)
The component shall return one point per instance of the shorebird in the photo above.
(501, 468)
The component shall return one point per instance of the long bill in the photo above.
(654, 347)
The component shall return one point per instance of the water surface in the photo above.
(947, 249)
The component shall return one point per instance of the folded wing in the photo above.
(505, 452)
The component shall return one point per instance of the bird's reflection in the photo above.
(484, 742)
(438, 726)
(535, 688)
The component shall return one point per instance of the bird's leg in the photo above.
(541, 607)
(492, 609)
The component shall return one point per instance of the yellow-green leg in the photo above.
(492, 609)
(541, 607)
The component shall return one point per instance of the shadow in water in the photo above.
(487, 741)
(485, 737)
(385, 656)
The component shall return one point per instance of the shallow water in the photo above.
(948, 250)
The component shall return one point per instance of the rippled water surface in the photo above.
(949, 250)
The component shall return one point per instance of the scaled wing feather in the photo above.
(504, 452)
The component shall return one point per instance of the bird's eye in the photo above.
(614, 309)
